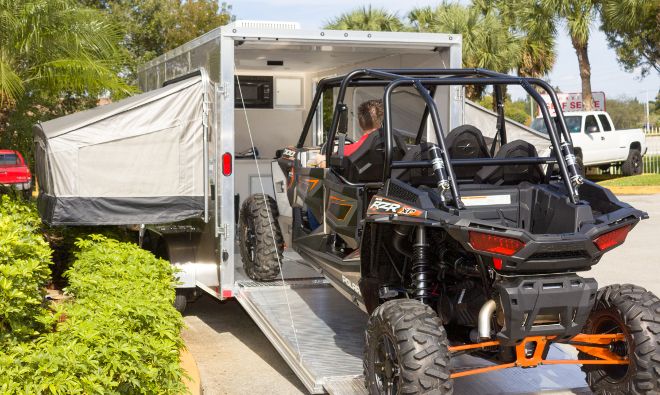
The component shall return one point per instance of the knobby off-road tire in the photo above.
(261, 241)
(407, 347)
(636, 312)
(634, 165)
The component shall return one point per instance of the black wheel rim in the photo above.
(635, 162)
(250, 240)
(608, 322)
(386, 366)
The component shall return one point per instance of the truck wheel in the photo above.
(579, 164)
(406, 350)
(261, 241)
(635, 312)
(633, 165)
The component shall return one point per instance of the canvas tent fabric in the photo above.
(135, 161)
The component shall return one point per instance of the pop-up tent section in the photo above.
(136, 161)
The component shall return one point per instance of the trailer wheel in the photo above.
(635, 312)
(180, 302)
(406, 350)
(261, 241)
(633, 165)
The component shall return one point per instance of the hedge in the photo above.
(119, 334)
(24, 272)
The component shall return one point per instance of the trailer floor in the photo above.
(325, 350)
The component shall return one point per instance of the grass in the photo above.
(633, 181)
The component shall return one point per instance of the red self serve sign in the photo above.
(573, 102)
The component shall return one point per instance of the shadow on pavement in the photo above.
(230, 318)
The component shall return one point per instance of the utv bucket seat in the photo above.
(464, 142)
(366, 163)
(512, 174)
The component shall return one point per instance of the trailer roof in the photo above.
(287, 34)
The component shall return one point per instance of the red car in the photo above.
(14, 172)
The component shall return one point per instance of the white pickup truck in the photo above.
(598, 143)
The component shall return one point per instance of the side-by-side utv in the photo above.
(456, 243)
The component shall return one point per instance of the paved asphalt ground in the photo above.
(234, 357)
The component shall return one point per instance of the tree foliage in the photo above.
(48, 47)
(534, 26)
(579, 17)
(626, 112)
(632, 28)
(367, 18)
(516, 110)
(55, 57)
(153, 27)
(487, 42)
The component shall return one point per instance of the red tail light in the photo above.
(226, 164)
(613, 238)
(495, 244)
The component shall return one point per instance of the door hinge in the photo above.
(223, 231)
(459, 94)
(223, 89)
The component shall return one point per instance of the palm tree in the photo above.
(487, 42)
(534, 25)
(367, 18)
(51, 47)
(579, 15)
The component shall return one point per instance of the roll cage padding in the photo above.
(467, 142)
(512, 174)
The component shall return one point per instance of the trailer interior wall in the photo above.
(274, 128)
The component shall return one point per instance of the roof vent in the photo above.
(267, 25)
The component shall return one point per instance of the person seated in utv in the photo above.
(370, 118)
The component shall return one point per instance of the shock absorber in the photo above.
(439, 171)
(422, 276)
(569, 156)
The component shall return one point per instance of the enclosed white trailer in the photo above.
(277, 66)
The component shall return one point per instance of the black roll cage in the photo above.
(425, 82)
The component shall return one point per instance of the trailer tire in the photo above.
(261, 241)
(634, 165)
(417, 360)
(180, 302)
(637, 313)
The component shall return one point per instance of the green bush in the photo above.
(120, 334)
(24, 272)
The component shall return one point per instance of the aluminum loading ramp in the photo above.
(328, 341)
(330, 337)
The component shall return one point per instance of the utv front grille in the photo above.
(399, 192)
(543, 256)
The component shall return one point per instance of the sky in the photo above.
(606, 74)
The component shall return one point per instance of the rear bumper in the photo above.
(545, 306)
(21, 186)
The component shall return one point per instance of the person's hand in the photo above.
(318, 161)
